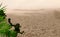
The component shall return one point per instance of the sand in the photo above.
(43, 23)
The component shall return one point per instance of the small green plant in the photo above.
(4, 26)
(2, 14)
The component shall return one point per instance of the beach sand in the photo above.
(43, 23)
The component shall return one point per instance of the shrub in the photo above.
(4, 26)
(2, 14)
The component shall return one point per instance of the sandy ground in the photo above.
(44, 23)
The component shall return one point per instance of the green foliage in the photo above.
(2, 7)
(11, 33)
(4, 26)
(5, 29)
(2, 18)
(2, 14)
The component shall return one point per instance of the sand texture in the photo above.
(45, 23)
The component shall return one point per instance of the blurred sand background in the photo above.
(38, 18)
(37, 23)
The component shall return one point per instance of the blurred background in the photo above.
(31, 4)
(38, 18)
